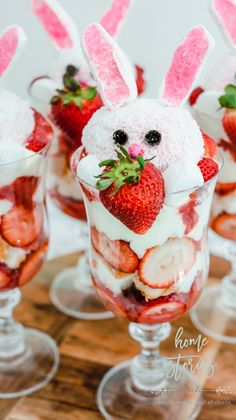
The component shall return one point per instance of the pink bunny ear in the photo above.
(185, 67)
(115, 15)
(12, 42)
(110, 67)
(59, 26)
(225, 10)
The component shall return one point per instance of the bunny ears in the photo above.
(12, 41)
(186, 65)
(109, 66)
(58, 24)
(112, 19)
(225, 11)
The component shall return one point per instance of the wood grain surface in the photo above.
(89, 348)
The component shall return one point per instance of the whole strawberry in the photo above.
(73, 107)
(132, 190)
(228, 101)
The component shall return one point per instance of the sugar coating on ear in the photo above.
(109, 66)
(12, 42)
(186, 65)
(59, 26)
(114, 17)
(225, 10)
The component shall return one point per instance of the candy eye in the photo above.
(153, 138)
(120, 137)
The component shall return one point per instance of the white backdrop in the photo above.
(149, 36)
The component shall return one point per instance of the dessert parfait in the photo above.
(214, 107)
(70, 97)
(25, 139)
(69, 94)
(148, 176)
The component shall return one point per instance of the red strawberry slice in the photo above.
(8, 277)
(110, 301)
(32, 264)
(140, 80)
(21, 226)
(225, 188)
(225, 226)
(162, 266)
(42, 134)
(189, 215)
(228, 147)
(194, 95)
(69, 205)
(209, 168)
(25, 188)
(117, 254)
(162, 312)
(229, 124)
(211, 147)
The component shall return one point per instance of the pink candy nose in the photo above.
(136, 150)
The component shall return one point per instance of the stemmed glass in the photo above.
(215, 313)
(71, 291)
(145, 386)
(28, 357)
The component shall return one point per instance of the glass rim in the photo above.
(219, 160)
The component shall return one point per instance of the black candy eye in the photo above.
(120, 137)
(153, 138)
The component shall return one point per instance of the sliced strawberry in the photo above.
(32, 264)
(25, 188)
(211, 147)
(189, 215)
(194, 95)
(162, 312)
(110, 301)
(91, 195)
(229, 124)
(69, 205)
(225, 226)
(8, 277)
(162, 266)
(228, 147)
(140, 80)
(209, 168)
(225, 188)
(116, 253)
(21, 226)
(196, 289)
(42, 134)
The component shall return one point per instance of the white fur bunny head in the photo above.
(145, 126)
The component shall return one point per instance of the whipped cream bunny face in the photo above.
(145, 127)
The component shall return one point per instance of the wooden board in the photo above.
(89, 349)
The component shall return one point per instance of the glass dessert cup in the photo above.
(215, 313)
(126, 267)
(72, 290)
(28, 357)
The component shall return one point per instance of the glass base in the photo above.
(117, 397)
(32, 370)
(73, 295)
(213, 318)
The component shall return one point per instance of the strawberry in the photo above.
(194, 95)
(41, 136)
(162, 312)
(189, 215)
(228, 147)
(30, 267)
(225, 188)
(115, 252)
(8, 277)
(228, 101)
(131, 188)
(73, 107)
(69, 205)
(225, 226)
(21, 226)
(24, 189)
(140, 81)
(162, 266)
(210, 146)
(209, 168)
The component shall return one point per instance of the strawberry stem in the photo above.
(229, 99)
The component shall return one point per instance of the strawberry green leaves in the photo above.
(229, 99)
